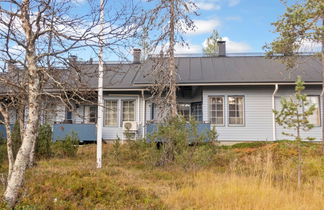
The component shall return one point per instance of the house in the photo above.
(234, 93)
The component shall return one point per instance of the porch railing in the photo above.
(85, 132)
(203, 129)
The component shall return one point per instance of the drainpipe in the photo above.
(273, 115)
(143, 114)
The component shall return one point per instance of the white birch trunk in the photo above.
(172, 70)
(11, 158)
(33, 91)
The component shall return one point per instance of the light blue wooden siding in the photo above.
(111, 133)
(285, 91)
(258, 113)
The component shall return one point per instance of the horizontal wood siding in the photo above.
(286, 91)
(258, 113)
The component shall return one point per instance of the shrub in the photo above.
(43, 142)
(182, 144)
(67, 147)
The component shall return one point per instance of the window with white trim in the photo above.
(111, 117)
(184, 110)
(93, 114)
(196, 111)
(128, 110)
(216, 110)
(236, 110)
(315, 118)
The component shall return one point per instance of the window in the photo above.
(236, 110)
(315, 117)
(184, 110)
(68, 115)
(111, 113)
(129, 110)
(93, 114)
(216, 110)
(196, 111)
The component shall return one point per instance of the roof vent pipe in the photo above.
(221, 48)
(136, 55)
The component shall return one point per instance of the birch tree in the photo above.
(303, 22)
(36, 37)
(170, 19)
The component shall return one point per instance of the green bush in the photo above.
(182, 144)
(67, 147)
(43, 142)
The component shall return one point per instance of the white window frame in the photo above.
(228, 111)
(210, 110)
(318, 108)
(117, 113)
(122, 110)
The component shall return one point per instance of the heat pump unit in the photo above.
(130, 125)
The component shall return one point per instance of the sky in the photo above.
(245, 25)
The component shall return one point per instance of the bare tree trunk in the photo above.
(11, 158)
(31, 161)
(23, 156)
(299, 165)
(172, 68)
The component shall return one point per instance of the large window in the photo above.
(236, 110)
(216, 110)
(315, 117)
(128, 110)
(111, 118)
(184, 110)
(93, 114)
(196, 111)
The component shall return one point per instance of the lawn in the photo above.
(251, 176)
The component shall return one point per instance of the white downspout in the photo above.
(273, 115)
(143, 114)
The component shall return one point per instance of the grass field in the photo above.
(245, 176)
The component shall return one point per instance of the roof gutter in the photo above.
(273, 114)
(234, 84)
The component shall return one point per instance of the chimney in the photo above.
(73, 60)
(136, 55)
(221, 48)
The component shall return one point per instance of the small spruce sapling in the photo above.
(294, 115)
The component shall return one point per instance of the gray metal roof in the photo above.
(243, 69)
(116, 76)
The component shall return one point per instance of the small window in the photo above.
(129, 110)
(315, 118)
(68, 115)
(111, 113)
(216, 110)
(93, 114)
(153, 106)
(196, 111)
(236, 110)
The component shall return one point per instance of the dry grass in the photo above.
(226, 191)
(262, 178)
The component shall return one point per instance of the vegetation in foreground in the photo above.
(244, 176)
